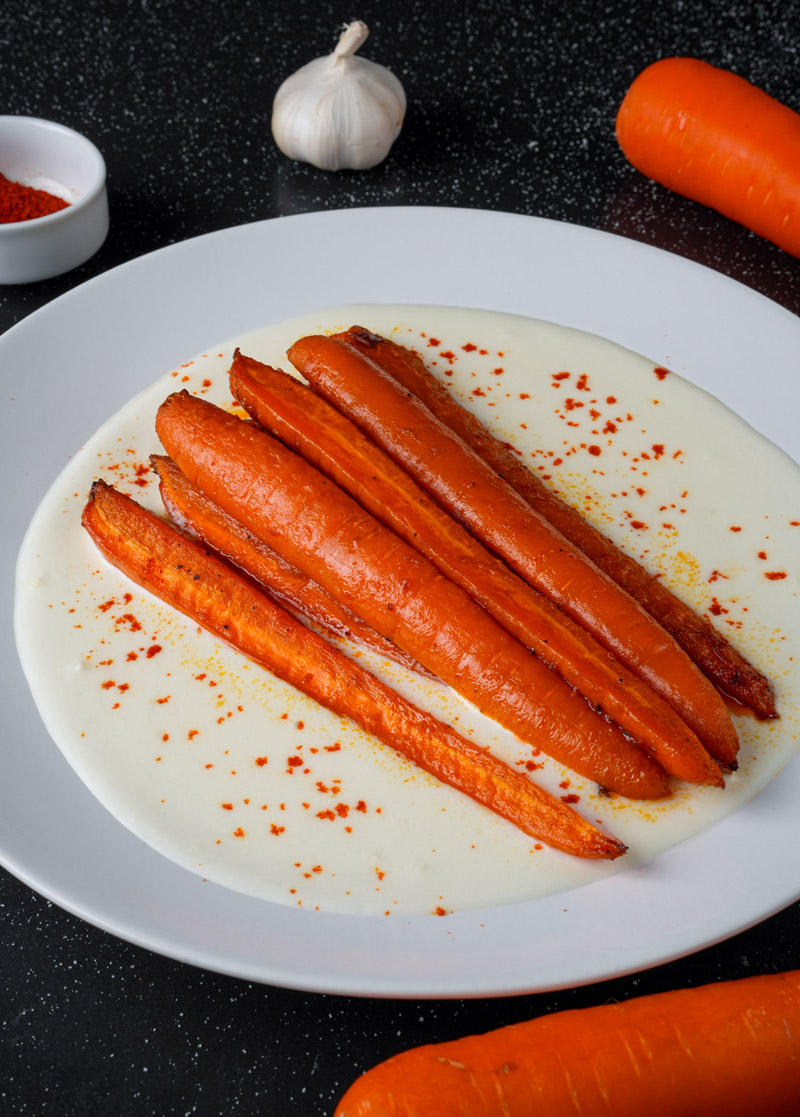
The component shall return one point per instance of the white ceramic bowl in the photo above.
(51, 157)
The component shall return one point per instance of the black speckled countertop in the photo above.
(511, 107)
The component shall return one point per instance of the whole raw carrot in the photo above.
(716, 657)
(710, 135)
(732, 1048)
(320, 530)
(477, 496)
(213, 593)
(190, 508)
(309, 425)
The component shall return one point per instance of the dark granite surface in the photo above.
(511, 107)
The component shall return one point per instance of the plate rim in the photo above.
(428, 934)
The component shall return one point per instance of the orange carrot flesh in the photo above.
(502, 520)
(310, 426)
(731, 1048)
(712, 136)
(207, 589)
(190, 508)
(320, 530)
(716, 657)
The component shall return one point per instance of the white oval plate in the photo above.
(79, 359)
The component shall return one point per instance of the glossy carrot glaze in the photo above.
(309, 425)
(471, 491)
(323, 532)
(716, 657)
(190, 508)
(210, 591)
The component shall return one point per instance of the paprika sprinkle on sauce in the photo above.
(23, 203)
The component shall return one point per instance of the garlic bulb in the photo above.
(339, 112)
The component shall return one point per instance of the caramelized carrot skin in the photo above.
(319, 529)
(476, 495)
(710, 135)
(309, 425)
(715, 656)
(729, 1049)
(190, 508)
(205, 588)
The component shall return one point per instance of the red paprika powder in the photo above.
(23, 203)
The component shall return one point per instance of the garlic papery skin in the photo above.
(339, 112)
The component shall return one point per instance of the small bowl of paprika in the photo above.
(53, 200)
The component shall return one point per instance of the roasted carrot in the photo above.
(716, 657)
(310, 426)
(320, 530)
(477, 496)
(731, 1048)
(710, 135)
(190, 508)
(192, 579)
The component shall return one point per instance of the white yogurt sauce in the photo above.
(237, 777)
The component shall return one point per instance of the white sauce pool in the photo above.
(238, 778)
